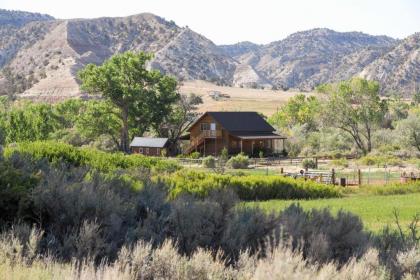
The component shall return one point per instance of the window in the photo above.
(205, 126)
(140, 150)
(147, 151)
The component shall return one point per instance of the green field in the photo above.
(376, 211)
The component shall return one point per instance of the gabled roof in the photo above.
(240, 121)
(149, 142)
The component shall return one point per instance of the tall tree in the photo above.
(355, 107)
(182, 116)
(299, 110)
(142, 96)
(409, 130)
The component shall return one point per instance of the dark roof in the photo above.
(265, 135)
(149, 142)
(242, 121)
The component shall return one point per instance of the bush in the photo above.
(308, 163)
(340, 162)
(239, 161)
(59, 153)
(195, 155)
(322, 236)
(143, 261)
(18, 176)
(249, 187)
(89, 218)
(380, 160)
(209, 162)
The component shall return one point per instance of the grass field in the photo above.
(239, 99)
(376, 211)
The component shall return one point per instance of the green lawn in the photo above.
(376, 211)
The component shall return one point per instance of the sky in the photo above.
(258, 21)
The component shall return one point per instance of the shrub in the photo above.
(250, 187)
(143, 261)
(340, 162)
(308, 163)
(59, 153)
(239, 161)
(89, 218)
(17, 177)
(209, 162)
(371, 160)
(195, 155)
(322, 236)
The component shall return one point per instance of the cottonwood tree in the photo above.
(174, 125)
(409, 130)
(98, 118)
(299, 110)
(355, 107)
(142, 96)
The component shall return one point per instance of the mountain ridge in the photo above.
(43, 55)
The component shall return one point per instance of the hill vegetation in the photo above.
(41, 56)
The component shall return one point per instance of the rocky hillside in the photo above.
(43, 58)
(306, 59)
(398, 69)
(18, 18)
(40, 56)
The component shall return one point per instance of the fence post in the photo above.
(316, 162)
(359, 177)
(281, 170)
(333, 176)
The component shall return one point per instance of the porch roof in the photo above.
(258, 136)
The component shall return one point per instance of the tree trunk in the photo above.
(369, 142)
(124, 145)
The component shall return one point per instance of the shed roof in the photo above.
(149, 142)
(241, 121)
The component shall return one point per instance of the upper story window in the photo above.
(207, 126)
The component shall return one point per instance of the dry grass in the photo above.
(241, 99)
(143, 262)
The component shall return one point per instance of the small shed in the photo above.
(149, 146)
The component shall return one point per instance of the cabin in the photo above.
(149, 146)
(238, 132)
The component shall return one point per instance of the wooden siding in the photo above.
(148, 151)
(223, 139)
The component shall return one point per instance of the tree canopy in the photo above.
(355, 107)
(299, 110)
(143, 97)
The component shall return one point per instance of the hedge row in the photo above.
(248, 187)
(58, 153)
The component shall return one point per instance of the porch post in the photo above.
(272, 145)
(215, 146)
(204, 147)
(283, 144)
(241, 145)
